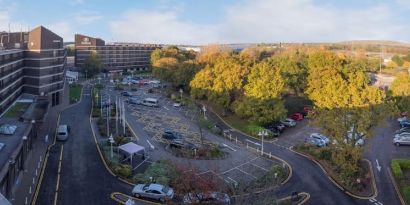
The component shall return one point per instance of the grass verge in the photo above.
(75, 93)
(16, 110)
(401, 173)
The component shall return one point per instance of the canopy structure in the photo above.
(131, 149)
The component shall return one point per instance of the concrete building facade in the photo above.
(31, 62)
(114, 56)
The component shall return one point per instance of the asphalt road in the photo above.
(380, 151)
(83, 177)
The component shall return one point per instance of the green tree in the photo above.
(92, 65)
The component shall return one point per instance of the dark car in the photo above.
(276, 125)
(126, 93)
(401, 130)
(274, 130)
(171, 135)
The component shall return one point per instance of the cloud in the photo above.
(87, 17)
(256, 21)
(159, 27)
(62, 29)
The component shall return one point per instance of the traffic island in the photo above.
(294, 199)
(362, 185)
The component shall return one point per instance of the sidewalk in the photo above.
(34, 163)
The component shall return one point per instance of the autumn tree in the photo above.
(345, 102)
(400, 89)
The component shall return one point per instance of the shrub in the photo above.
(325, 154)
(122, 170)
(395, 166)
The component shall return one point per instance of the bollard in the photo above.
(29, 191)
(230, 136)
(270, 154)
(36, 172)
(41, 158)
(247, 146)
(26, 201)
(236, 140)
(33, 180)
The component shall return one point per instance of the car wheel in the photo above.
(137, 195)
(397, 144)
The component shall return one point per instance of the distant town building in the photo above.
(31, 62)
(114, 56)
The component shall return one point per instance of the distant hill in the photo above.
(376, 43)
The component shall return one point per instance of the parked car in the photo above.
(134, 101)
(401, 130)
(153, 191)
(297, 116)
(402, 139)
(288, 122)
(273, 131)
(171, 135)
(404, 123)
(207, 198)
(319, 136)
(62, 132)
(359, 138)
(315, 141)
(126, 93)
(182, 144)
(177, 104)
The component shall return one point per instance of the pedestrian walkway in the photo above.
(26, 189)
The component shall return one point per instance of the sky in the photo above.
(213, 21)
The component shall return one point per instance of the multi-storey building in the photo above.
(31, 62)
(114, 56)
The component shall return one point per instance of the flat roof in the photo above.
(11, 142)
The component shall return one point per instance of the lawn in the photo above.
(16, 110)
(237, 122)
(75, 93)
(401, 172)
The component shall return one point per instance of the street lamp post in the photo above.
(111, 139)
(181, 91)
(262, 134)
(204, 109)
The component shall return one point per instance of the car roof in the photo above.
(157, 187)
(62, 128)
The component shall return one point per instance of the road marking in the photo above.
(165, 107)
(246, 173)
(378, 166)
(152, 146)
(58, 175)
(255, 143)
(234, 181)
(229, 147)
(259, 166)
(372, 200)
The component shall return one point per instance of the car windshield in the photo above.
(165, 189)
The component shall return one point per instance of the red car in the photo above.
(297, 116)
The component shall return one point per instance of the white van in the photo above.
(62, 132)
(151, 102)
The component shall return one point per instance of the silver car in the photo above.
(288, 122)
(402, 139)
(153, 191)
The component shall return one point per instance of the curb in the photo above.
(396, 188)
(375, 192)
(113, 197)
(43, 167)
(300, 203)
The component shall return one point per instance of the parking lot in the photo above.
(239, 164)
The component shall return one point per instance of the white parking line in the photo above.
(259, 166)
(229, 147)
(152, 146)
(239, 166)
(165, 107)
(234, 181)
(255, 143)
(246, 173)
